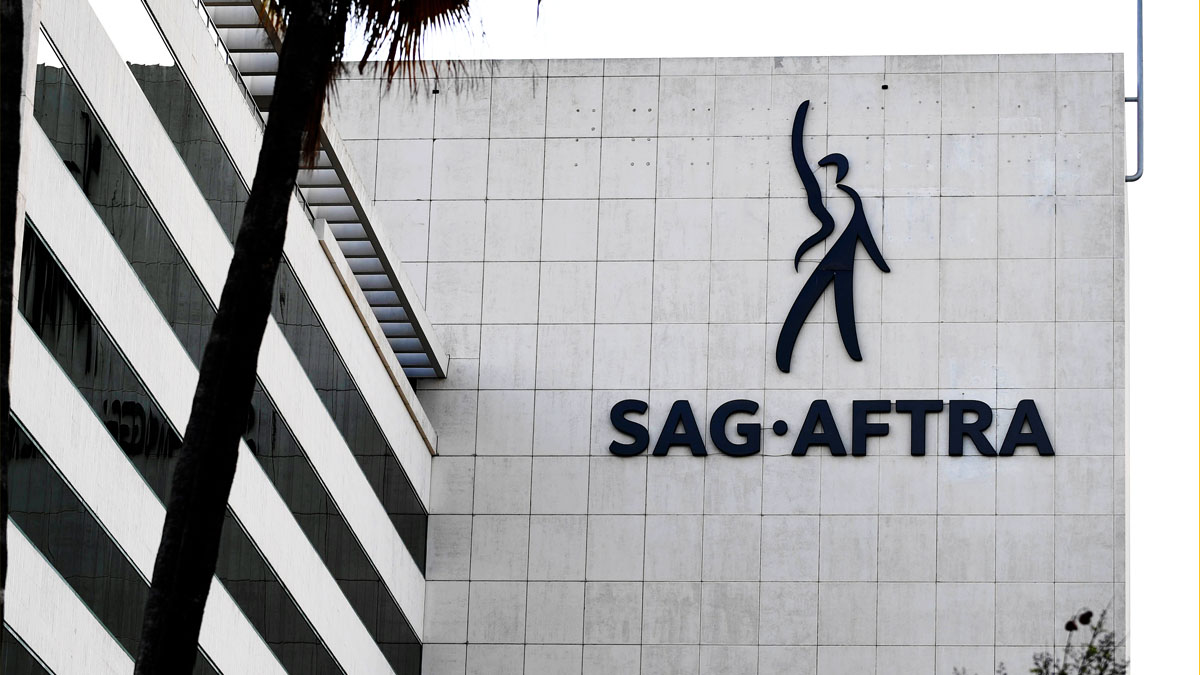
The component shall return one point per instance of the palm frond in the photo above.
(394, 27)
(397, 28)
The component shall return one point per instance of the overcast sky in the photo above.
(576, 28)
(1162, 207)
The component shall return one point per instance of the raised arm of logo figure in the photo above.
(837, 267)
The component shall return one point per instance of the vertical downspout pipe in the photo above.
(1139, 99)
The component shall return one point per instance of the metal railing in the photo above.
(210, 27)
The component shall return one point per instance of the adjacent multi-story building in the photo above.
(140, 141)
(679, 366)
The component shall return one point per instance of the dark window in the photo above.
(66, 325)
(17, 659)
(213, 170)
(67, 534)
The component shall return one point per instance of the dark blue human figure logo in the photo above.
(837, 267)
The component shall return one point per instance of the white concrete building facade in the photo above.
(577, 367)
(587, 233)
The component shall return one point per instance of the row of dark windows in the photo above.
(183, 117)
(134, 420)
(81, 346)
(68, 536)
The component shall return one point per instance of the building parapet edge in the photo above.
(339, 155)
(361, 307)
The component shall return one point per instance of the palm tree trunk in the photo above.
(200, 486)
(12, 72)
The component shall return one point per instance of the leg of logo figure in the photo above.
(843, 302)
(801, 308)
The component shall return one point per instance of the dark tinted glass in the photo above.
(213, 170)
(17, 659)
(66, 533)
(267, 434)
(100, 372)
(189, 129)
(308, 339)
(90, 156)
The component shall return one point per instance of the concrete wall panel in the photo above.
(658, 266)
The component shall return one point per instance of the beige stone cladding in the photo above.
(591, 231)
